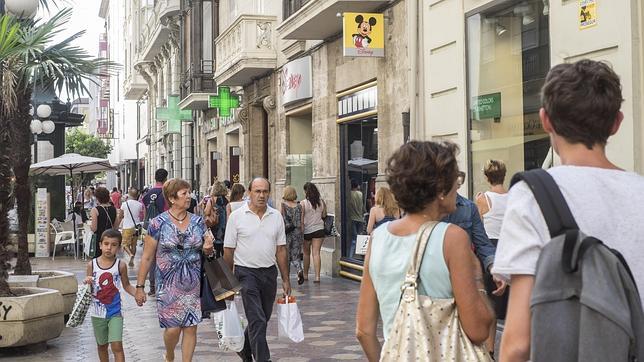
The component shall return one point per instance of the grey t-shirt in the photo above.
(607, 204)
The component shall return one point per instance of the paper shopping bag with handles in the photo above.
(221, 279)
(290, 321)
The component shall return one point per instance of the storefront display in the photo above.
(508, 57)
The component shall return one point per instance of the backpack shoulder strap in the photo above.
(553, 206)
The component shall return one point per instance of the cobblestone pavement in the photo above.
(328, 312)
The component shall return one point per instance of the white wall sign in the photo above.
(42, 223)
(296, 80)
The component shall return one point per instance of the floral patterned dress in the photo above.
(178, 270)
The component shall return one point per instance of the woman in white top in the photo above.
(491, 205)
(236, 199)
(314, 212)
(423, 178)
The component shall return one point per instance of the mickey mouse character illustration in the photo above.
(362, 39)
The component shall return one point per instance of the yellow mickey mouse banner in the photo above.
(364, 35)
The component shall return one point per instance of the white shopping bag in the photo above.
(230, 328)
(362, 243)
(290, 321)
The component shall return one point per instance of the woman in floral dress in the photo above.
(294, 227)
(178, 238)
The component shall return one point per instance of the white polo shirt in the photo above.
(255, 240)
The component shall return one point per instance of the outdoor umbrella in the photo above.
(68, 164)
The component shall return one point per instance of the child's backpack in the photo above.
(585, 304)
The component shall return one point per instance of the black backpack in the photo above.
(585, 304)
(151, 211)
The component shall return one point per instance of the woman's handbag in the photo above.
(223, 282)
(81, 306)
(92, 246)
(212, 218)
(425, 328)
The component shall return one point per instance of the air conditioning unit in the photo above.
(236, 151)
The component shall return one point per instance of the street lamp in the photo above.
(37, 126)
(20, 8)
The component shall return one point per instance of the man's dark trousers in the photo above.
(259, 287)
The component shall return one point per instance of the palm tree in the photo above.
(39, 63)
(9, 47)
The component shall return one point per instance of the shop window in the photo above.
(299, 158)
(508, 58)
(359, 153)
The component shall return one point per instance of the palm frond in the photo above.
(9, 37)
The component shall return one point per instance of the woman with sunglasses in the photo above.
(177, 238)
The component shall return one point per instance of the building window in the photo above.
(508, 58)
(299, 158)
(292, 6)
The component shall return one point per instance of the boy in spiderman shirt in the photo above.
(104, 274)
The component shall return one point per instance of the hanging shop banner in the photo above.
(587, 13)
(364, 35)
(296, 80)
(42, 223)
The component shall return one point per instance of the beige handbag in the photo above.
(425, 328)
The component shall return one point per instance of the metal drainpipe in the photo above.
(417, 129)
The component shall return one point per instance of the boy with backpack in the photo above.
(105, 273)
(154, 205)
(580, 111)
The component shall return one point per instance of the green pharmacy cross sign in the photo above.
(173, 115)
(224, 101)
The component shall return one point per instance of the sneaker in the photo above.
(300, 277)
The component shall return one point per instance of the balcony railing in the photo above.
(246, 49)
(153, 33)
(198, 79)
(290, 7)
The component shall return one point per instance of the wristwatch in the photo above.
(138, 286)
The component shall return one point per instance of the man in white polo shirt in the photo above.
(254, 242)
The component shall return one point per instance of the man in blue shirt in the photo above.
(467, 217)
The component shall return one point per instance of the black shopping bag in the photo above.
(223, 282)
(208, 302)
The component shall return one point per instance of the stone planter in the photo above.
(62, 281)
(34, 315)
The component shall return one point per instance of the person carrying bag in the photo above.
(426, 328)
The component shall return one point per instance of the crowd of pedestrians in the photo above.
(466, 253)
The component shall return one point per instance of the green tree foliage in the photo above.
(78, 141)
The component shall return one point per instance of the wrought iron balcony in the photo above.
(318, 20)
(197, 84)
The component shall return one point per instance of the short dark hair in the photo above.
(114, 189)
(250, 185)
(354, 184)
(161, 175)
(312, 194)
(420, 171)
(113, 234)
(102, 195)
(582, 100)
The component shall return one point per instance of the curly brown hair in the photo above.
(420, 171)
(582, 100)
